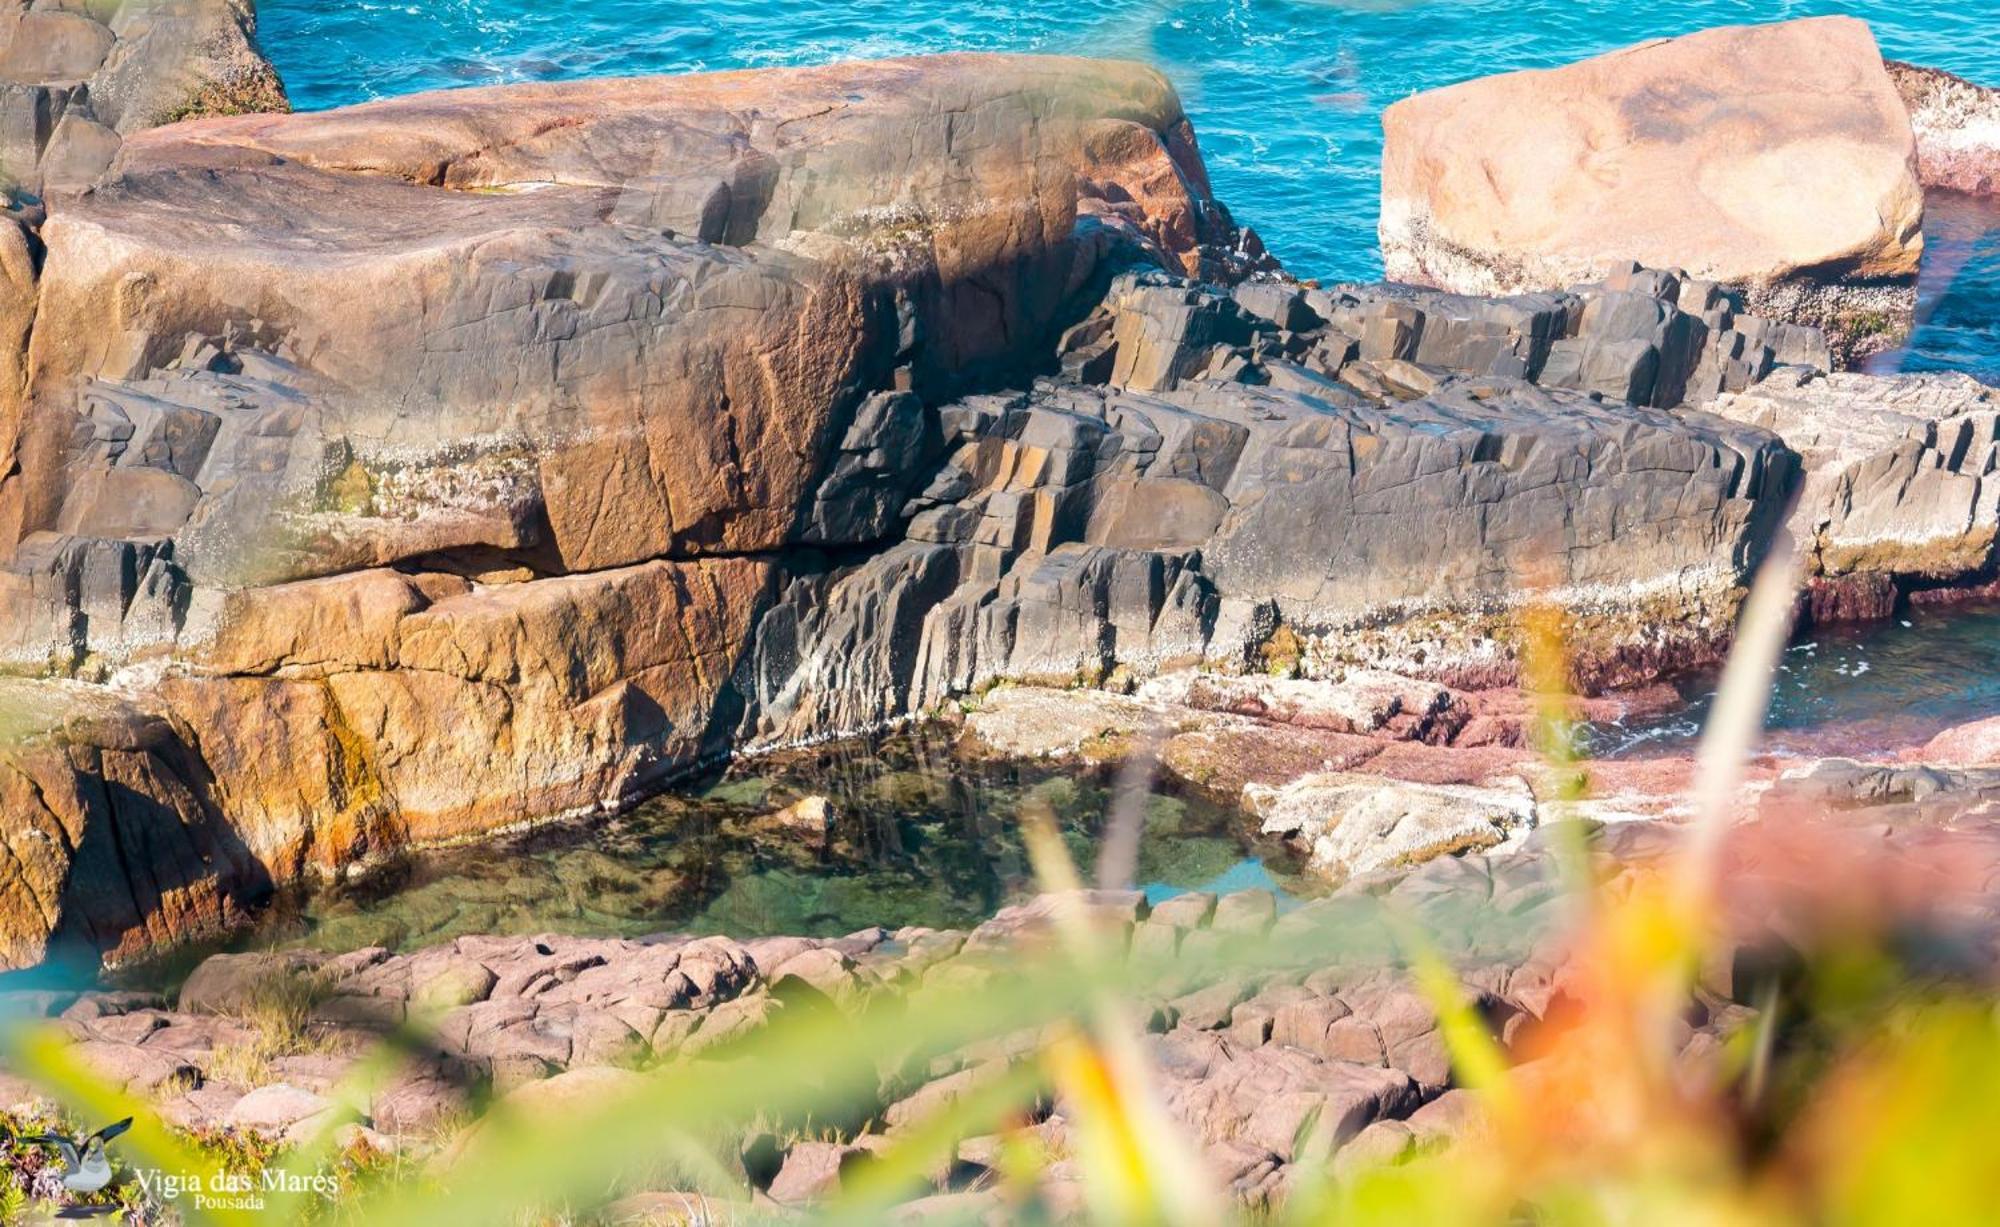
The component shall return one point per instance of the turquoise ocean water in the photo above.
(1286, 95)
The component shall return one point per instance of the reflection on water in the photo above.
(1845, 690)
(919, 836)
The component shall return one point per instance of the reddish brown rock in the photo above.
(583, 361)
(1957, 125)
(1775, 157)
(81, 77)
(1867, 596)
(1969, 745)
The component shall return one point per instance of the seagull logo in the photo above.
(89, 1167)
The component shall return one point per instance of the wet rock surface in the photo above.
(1957, 125)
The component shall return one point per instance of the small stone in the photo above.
(461, 982)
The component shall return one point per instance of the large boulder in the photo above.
(76, 79)
(1387, 510)
(588, 324)
(1776, 157)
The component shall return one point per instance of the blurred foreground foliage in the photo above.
(1865, 1090)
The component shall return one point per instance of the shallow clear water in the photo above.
(921, 836)
(926, 836)
(1852, 690)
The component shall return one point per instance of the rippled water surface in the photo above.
(1958, 294)
(1854, 690)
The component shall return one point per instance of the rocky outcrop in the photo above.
(419, 469)
(307, 310)
(1778, 158)
(1957, 125)
(114, 843)
(77, 80)
(1247, 1058)
(1900, 489)
(514, 413)
(1341, 481)
(1266, 478)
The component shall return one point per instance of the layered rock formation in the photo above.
(1900, 491)
(422, 468)
(1073, 530)
(1375, 472)
(1957, 125)
(78, 79)
(583, 362)
(1779, 158)
(436, 323)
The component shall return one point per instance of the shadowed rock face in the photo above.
(1777, 157)
(77, 79)
(1078, 530)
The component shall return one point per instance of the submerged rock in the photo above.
(1779, 158)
